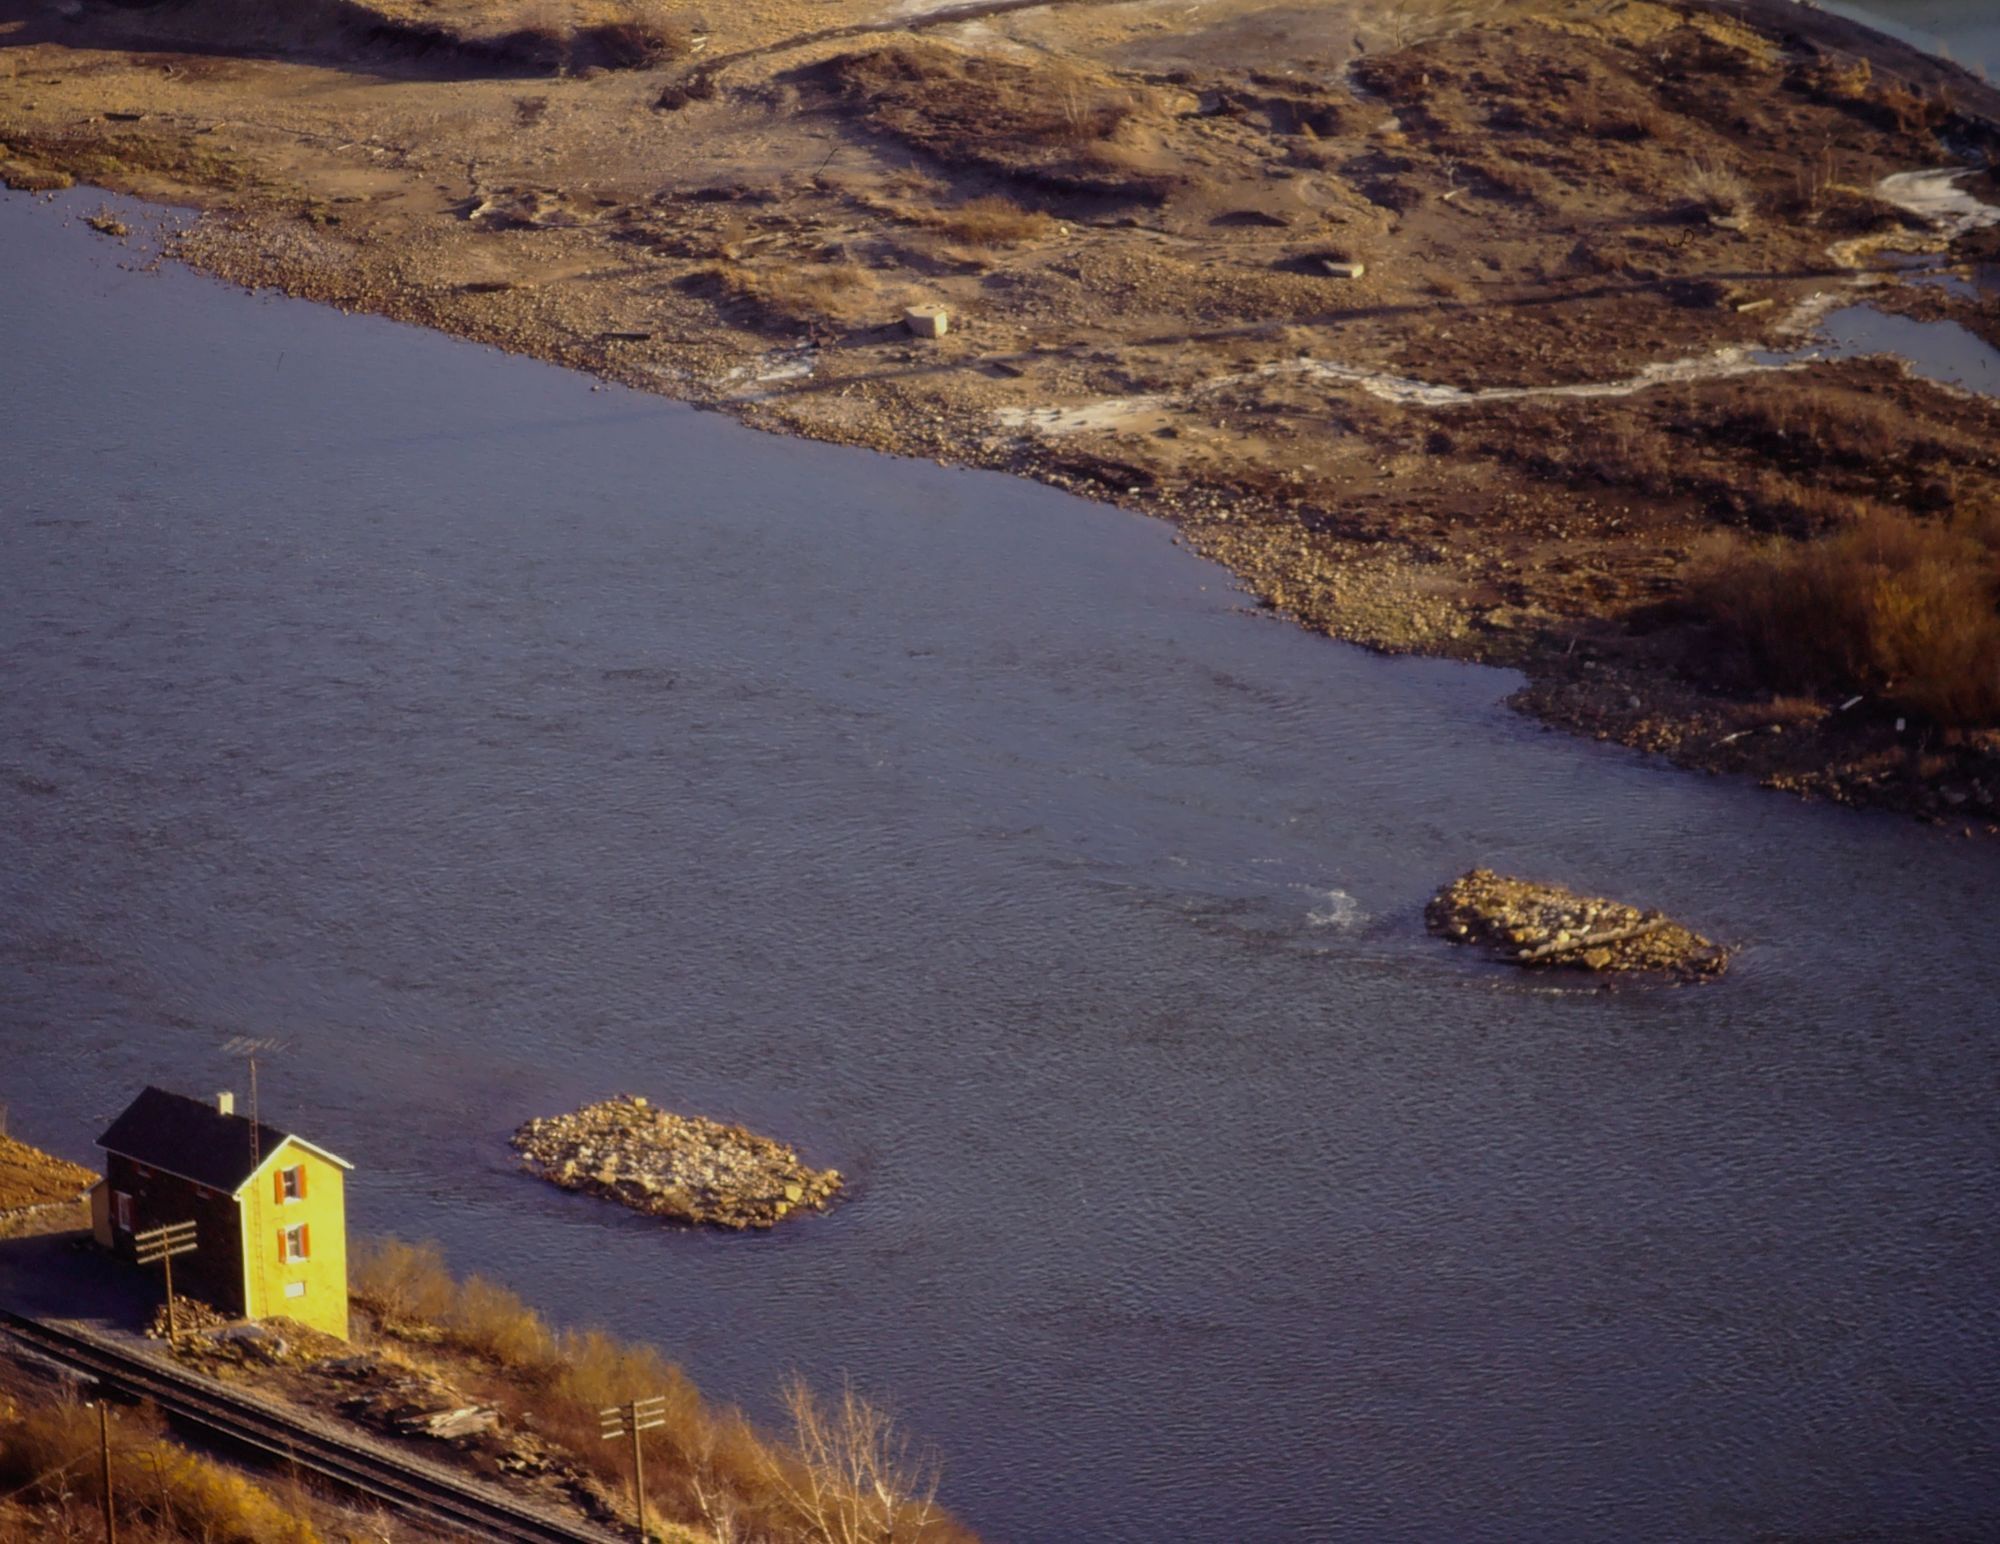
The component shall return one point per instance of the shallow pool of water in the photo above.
(494, 743)
(1942, 351)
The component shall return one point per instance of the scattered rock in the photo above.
(1546, 925)
(405, 1402)
(195, 1318)
(927, 321)
(107, 224)
(676, 1166)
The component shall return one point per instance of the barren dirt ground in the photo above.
(30, 1177)
(1130, 210)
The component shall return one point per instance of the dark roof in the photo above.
(191, 1138)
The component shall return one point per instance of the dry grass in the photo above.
(1839, 80)
(697, 86)
(1908, 609)
(631, 45)
(841, 293)
(1052, 124)
(1811, 427)
(842, 1474)
(1717, 190)
(990, 222)
(49, 1455)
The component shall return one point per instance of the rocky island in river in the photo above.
(681, 1167)
(1525, 923)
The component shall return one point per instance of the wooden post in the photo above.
(635, 1416)
(104, 1463)
(639, 1479)
(160, 1245)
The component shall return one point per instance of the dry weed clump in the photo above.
(1717, 190)
(631, 44)
(781, 293)
(161, 1491)
(991, 222)
(841, 1474)
(1906, 608)
(697, 86)
(1832, 79)
(1813, 427)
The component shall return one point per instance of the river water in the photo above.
(1965, 30)
(494, 743)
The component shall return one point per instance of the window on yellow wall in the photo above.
(295, 1243)
(291, 1183)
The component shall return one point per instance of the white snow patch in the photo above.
(1937, 197)
(1106, 413)
(772, 369)
(1934, 195)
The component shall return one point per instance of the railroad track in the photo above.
(423, 1492)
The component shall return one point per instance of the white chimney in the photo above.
(225, 1102)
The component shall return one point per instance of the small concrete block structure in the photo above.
(927, 321)
(1343, 270)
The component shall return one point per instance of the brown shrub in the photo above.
(1716, 189)
(1906, 608)
(1817, 424)
(1913, 112)
(697, 87)
(48, 1454)
(841, 1466)
(1049, 123)
(631, 45)
(404, 1283)
(799, 292)
(991, 222)
(1510, 179)
(1833, 80)
(492, 1321)
(1792, 712)
(539, 47)
(1776, 502)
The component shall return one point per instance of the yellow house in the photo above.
(269, 1208)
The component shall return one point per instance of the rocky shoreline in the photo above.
(1544, 536)
(681, 1167)
(1544, 926)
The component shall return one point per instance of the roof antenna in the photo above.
(250, 1048)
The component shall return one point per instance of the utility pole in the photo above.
(104, 1465)
(158, 1246)
(634, 1417)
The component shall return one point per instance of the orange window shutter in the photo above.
(281, 1243)
(305, 1241)
(278, 1186)
(302, 1182)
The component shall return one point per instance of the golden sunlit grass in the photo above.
(842, 1474)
